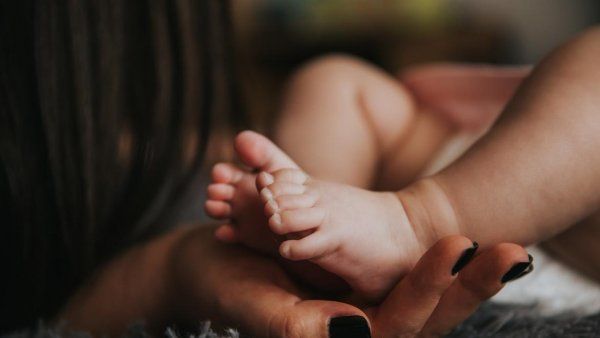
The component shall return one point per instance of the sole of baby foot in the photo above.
(362, 236)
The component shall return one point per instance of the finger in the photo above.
(407, 308)
(254, 294)
(479, 281)
(319, 318)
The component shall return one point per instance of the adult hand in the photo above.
(235, 287)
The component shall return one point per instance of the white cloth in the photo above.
(553, 287)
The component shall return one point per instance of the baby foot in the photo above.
(232, 195)
(362, 236)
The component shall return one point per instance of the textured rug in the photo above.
(496, 320)
(491, 320)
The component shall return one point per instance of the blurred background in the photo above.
(275, 36)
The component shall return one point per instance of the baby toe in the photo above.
(296, 220)
(263, 180)
(257, 151)
(290, 175)
(301, 201)
(289, 202)
(226, 173)
(281, 188)
(227, 233)
(271, 207)
(309, 247)
(220, 191)
(217, 209)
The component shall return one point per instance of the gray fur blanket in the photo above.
(491, 320)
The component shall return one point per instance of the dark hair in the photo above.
(105, 110)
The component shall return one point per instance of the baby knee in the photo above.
(330, 71)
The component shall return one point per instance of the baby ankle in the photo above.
(430, 211)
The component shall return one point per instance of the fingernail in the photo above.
(518, 270)
(465, 258)
(349, 327)
(266, 194)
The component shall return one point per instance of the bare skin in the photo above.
(346, 121)
(190, 277)
(511, 186)
(536, 173)
(295, 205)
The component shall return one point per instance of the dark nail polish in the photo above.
(465, 258)
(349, 327)
(518, 270)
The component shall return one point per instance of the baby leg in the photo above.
(536, 173)
(467, 97)
(361, 236)
(346, 121)
(339, 118)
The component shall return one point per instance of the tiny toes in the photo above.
(296, 220)
(281, 188)
(257, 151)
(271, 207)
(220, 191)
(217, 209)
(290, 175)
(301, 201)
(309, 247)
(287, 202)
(293, 176)
(263, 180)
(226, 173)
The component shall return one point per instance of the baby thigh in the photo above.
(341, 116)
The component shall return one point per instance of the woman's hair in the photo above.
(105, 110)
